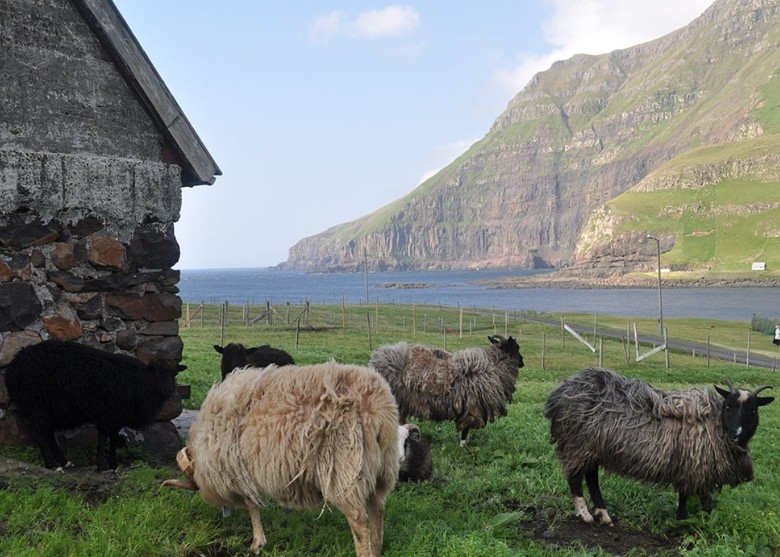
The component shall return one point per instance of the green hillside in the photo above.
(725, 222)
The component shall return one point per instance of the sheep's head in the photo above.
(416, 464)
(740, 411)
(233, 355)
(403, 435)
(164, 371)
(508, 346)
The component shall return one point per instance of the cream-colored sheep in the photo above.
(304, 436)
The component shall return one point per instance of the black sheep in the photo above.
(416, 465)
(57, 384)
(237, 355)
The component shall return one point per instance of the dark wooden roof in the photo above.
(198, 167)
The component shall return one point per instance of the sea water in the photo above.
(460, 289)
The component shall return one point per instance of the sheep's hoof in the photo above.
(587, 518)
(581, 510)
(603, 517)
(256, 547)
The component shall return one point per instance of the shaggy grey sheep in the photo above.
(57, 385)
(471, 386)
(304, 436)
(695, 440)
(236, 355)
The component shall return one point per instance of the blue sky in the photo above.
(321, 112)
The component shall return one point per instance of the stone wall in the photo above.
(89, 194)
(87, 248)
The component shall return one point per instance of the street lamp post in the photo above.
(660, 294)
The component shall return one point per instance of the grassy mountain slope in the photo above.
(577, 137)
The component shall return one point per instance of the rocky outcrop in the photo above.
(577, 136)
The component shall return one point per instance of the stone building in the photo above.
(94, 152)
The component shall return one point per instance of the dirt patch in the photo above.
(547, 526)
(96, 487)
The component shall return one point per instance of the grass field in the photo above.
(503, 495)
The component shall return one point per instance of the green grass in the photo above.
(477, 502)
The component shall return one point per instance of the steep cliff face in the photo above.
(578, 135)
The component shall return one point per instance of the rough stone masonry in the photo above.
(90, 189)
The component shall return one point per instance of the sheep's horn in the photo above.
(186, 464)
(730, 385)
(184, 484)
(758, 390)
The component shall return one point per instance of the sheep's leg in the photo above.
(376, 510)
(464, 437)
(361, 531)
(706, 501)
(580, 507)
(682, 511)
(592, 479)
(50, 450)
(100, 455)
(258, 535)
(113, 441)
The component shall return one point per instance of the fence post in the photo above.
(601, 352)
(223, 320)
(624, 341)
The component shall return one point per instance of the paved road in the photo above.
(684, 346)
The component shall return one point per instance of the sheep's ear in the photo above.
(250, 351)
(219, 349)
(723, 392)
(764, 400)
(180, 368)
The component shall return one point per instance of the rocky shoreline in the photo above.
(555, 280)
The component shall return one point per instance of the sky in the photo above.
(321, 112)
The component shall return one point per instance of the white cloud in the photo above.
(389, 22)
(392, 21)
(597, 27)
(326, 27)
